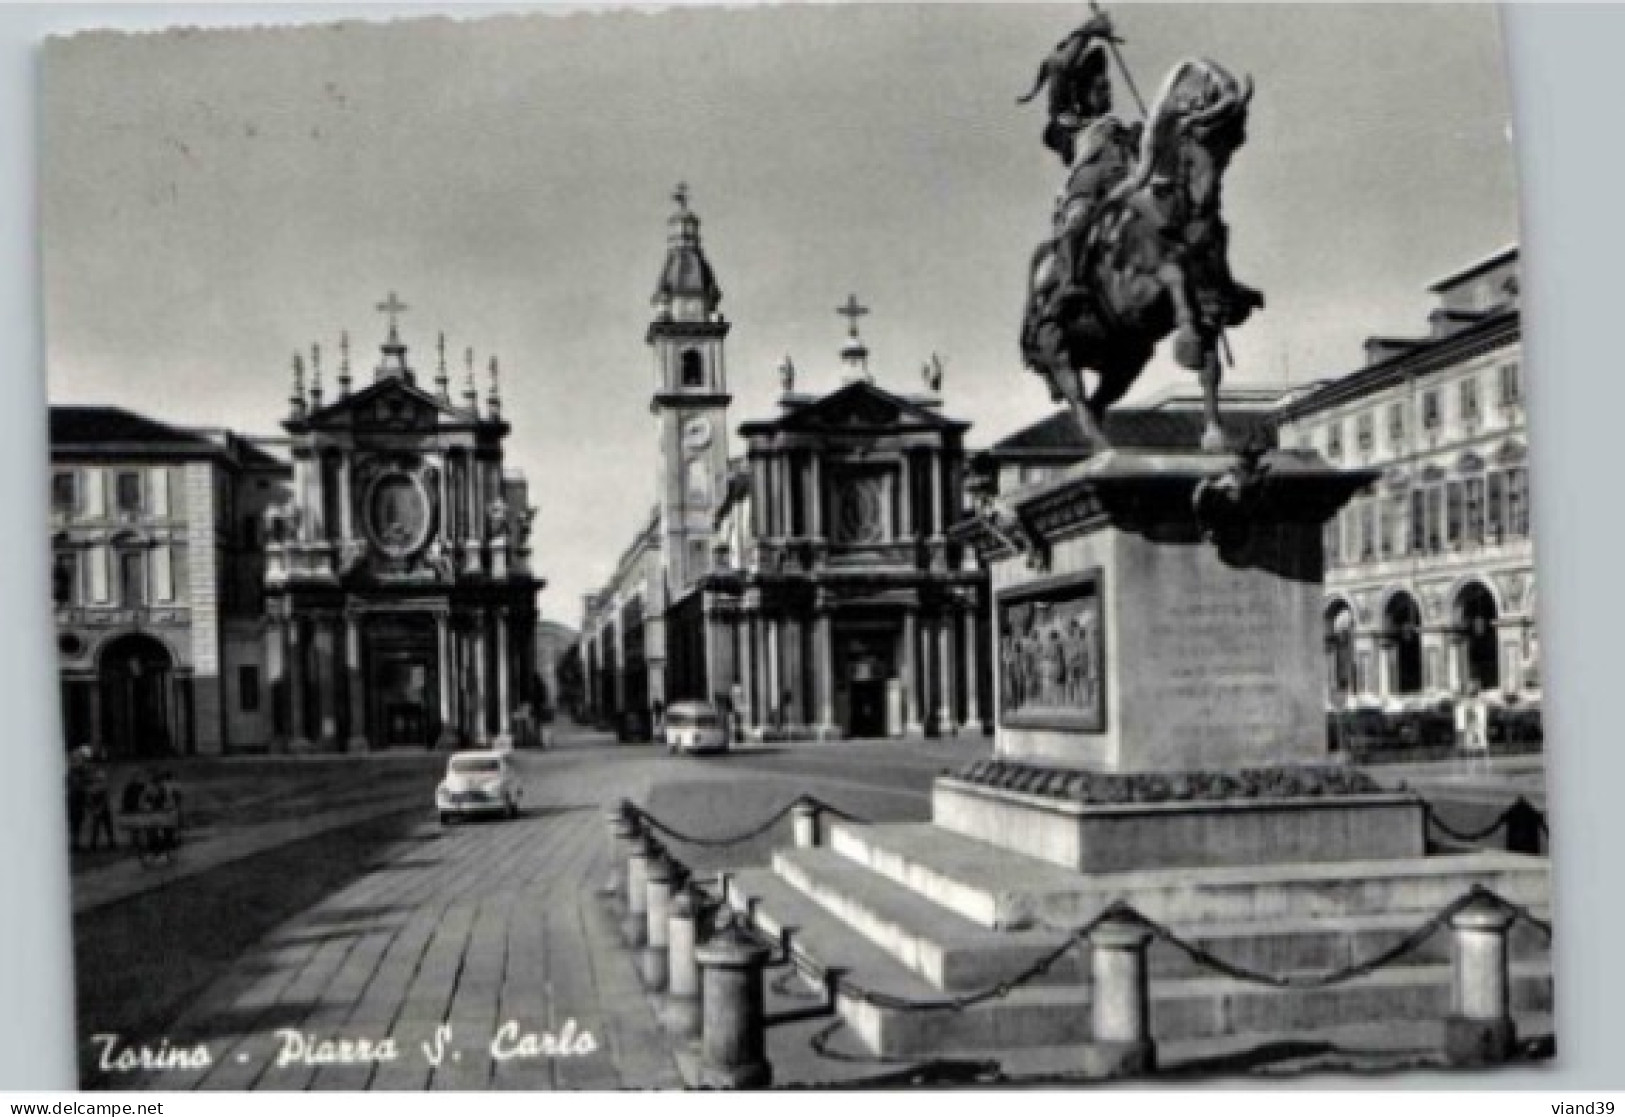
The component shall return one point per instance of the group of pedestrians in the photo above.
(90, 802)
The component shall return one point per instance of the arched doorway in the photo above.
(1475, 628)
(1340, 651)
(137, 682)
(1402, 638)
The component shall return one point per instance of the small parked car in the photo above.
(695, 727)
(478, 782)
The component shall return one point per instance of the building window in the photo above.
(1396, 426)
(692, 369)
(1419, 521)
(1474, 490)
(1469, 403)
(1394, 511)
(64, 493)
(248, 688)
(1511, 391)
(65, 578)
(1334, 441)
(1453, 513)
(1334, 541)
(1364, 433)
(1494, 521)
(127, 496)
(1435, 519)
(1518, 502)
(132, 578)
(1368, 531)
(1430, 411)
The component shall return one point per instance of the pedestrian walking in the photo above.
(99, 808)
(78, 780)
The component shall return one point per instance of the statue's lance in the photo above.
(1117, 56)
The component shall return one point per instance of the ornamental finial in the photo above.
(344, 363)
(315, 376)
(441, 381)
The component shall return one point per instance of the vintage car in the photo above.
(695, 727)
(478, 782)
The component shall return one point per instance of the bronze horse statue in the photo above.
(1140, 253)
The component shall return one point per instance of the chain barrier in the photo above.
(1519, 808)
(716, 841)
(713, 841)
(784, 951)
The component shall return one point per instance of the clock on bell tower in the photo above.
(691, 397)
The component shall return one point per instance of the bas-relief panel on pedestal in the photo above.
(1052, 655)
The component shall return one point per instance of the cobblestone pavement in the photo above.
(463, 957)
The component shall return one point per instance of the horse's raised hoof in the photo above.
(1189, 351)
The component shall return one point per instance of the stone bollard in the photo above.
(733, 1040)
(1523, 827)
(635, 921)
(1481, 1030)
(1121, 1010)
(623, 830)
(659, 876)
(804, 823)
(682, 1015)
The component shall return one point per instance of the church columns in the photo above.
(905, 494)
(276, 674)
(297, 741)
(946, 706)
(815, 497)
(973, 711)
(355, 687)
(326, 682)
(824, 672)
(482, 704)
(758, 496)
(936, 495)
(346, 500)
(447, 672)
(471, 520)
(775, 695)
(746, 632)
(911, 673)
(504, 738)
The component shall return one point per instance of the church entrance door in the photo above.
(403, 684)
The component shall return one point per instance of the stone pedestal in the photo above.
(1153, 612)
(1157, 622)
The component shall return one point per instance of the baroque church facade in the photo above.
(808, 586)
(400, 605)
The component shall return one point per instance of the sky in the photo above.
(214, 200)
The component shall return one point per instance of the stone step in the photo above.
(1036, 1017)
(1030, 1017)
(947, 950)
(998, 888)
(954, 954)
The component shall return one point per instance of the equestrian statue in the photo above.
(1139, 246)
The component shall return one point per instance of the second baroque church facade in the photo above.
(809, 586)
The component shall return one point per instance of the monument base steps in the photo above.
(921, 913)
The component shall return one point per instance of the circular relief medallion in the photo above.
(398, 514)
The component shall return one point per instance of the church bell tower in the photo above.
(690, 397)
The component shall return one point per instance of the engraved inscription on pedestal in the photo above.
(1052, 655)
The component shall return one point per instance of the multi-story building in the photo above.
(809, 585)
(157, 579)
(1430, 577)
